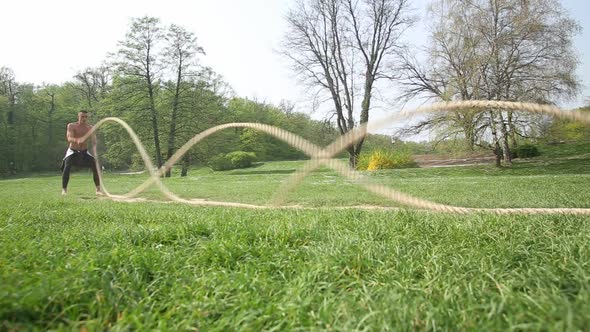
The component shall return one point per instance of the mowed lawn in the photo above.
(82, 263)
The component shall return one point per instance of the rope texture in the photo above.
(320, 157)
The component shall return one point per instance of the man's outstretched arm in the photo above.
(94, 143)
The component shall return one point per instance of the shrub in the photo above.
(527, 151)
(362, 163)
(137, 163)
(220, 163)
(513, 152)
(382, 159)
(241, 159)
(232, 160)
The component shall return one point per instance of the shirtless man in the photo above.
(77, 153)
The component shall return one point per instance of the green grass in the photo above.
(80, 263)
(564, 150)
(537, 182)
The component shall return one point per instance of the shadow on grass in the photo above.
(274, 171)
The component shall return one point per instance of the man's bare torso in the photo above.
(77, 130)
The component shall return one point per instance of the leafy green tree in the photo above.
(139, 67)
(93, 84)
(180, 54)
(8, 90)
(267, 147)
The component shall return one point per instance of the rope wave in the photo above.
(320, 157)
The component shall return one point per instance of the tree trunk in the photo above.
(365, 105)
(468, 128)
(512, 131)
(186, 161)
(154, 116)
(352, 157)
(505, 145)
(497, 150)
(50, 127)
(174, 115)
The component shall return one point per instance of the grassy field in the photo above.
(82, 263)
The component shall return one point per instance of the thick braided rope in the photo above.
(325, 156)
(354, 135)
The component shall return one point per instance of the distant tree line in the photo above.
(343, 50)
(154, 82)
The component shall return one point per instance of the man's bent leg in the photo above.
(95, 177)
(65, 178)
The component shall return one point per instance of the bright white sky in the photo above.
(49, 41)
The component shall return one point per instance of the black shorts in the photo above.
(80, 158)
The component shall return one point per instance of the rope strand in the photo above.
(320, 157)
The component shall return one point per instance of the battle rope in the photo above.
(325, 157)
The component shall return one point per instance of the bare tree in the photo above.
(510, 50)
(340, 48)
(93, 83)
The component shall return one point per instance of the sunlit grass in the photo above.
(530, 183)
(82, 263)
